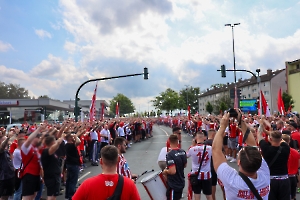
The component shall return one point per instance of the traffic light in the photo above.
(42, 110)
(77, 111)
(146, 74)
(239, 93)
(223, 71)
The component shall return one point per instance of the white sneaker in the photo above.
(228, 158)
(233, 160)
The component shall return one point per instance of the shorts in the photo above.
(173, 194)
(225, 140)
(280, 189)
(203, 185)
(7, 187)
(30, 184)
(293, 182)
(53, 186)
(232, 143)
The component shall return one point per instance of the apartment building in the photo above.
(293, 82)
(270, 84)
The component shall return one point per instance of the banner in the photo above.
(93, 107)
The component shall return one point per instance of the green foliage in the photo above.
(125, 104)
(44, 97)
(287, 101)
(222, 103)
(209, 107)
(13, 91)
(189, 96)
(167, 100)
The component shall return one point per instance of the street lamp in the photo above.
(235, 89)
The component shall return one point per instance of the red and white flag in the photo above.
(102, 111)
(93, 107)
(265, 106)
(280, 103)
(189, 112)
(117, 109)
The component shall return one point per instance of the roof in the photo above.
(294, 62)
(242, 83)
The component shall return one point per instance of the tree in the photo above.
(12, 91)
(44, 97)
(218, 85)
(209, 107)
(189, 96)
(167, 100)
(222, 103)
(125, 105)
(287, 101)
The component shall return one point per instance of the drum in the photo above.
(155, 185)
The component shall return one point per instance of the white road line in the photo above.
(84, 175)
(164, 131)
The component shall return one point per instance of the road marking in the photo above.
(84, 175)
(164, 131)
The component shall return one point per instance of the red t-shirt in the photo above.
(81, 146)
(296, 136)
(107, 182)
(32, 160)
(293, 162)
(13, 146)
(232, 133)
(240, 139)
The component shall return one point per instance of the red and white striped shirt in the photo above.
(122, 167)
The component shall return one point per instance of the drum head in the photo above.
(150, 177)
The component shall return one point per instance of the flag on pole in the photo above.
(102, 111)
(265, 106)
(93, 107)
(189, 112)
(117, 109)
(280, 103)
(236, 101)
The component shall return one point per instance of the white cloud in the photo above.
(42, 33)
(71, 47)
(5, 46)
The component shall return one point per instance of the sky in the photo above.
(51, 47)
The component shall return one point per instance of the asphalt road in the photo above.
(143, 156)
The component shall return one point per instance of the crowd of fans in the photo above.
(52, 155)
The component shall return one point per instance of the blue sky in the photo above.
(51, 47)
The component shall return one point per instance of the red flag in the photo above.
(93, 107)
(265, 105)
(189, 112)
(280, 103)
(117, 109)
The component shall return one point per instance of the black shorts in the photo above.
(203, 185)
(173, 194)
(280, 189)
(53, 186)
(129, 137)
(225, 140)
(293, 182)
(30, 184)
(7, 187)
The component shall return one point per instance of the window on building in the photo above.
(249, 95)
(266, 93)
(298, 66)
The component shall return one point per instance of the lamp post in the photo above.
(145, 73)
(235, 89)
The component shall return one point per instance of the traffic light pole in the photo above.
(145, 73)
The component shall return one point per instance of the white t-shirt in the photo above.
(17, 158)
(162, 155)
(105, 133)
(121, 132)
(195, 153)
(235, 186)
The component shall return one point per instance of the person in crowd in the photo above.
(232, 142)
(214, 178)
(176, 162)
(204, 177)
(177, 131)
(7, 170)
(276, 153)
(123, 167)
(250, 163)
(93, 148)
(31, 180)
(161, 160)
(105, 136)
(293, 165)
(107, 180)
(51, 166)
(17, 162)
(292, 126)
(72, 164)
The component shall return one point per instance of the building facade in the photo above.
(293, 82)
(270, 84)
